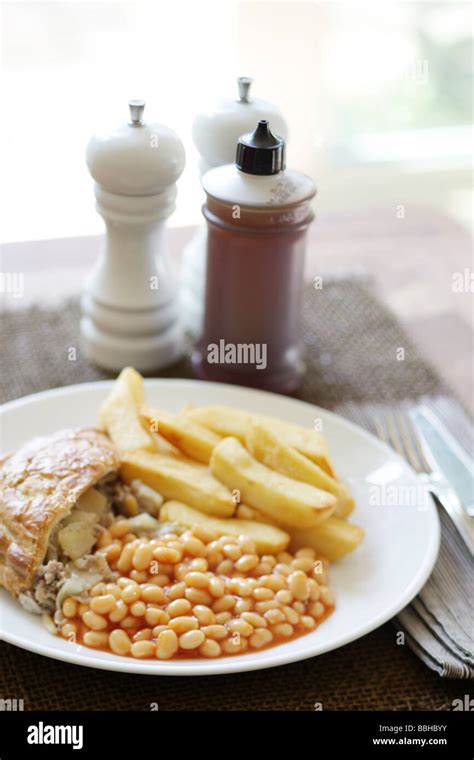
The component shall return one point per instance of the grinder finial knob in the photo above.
(136, 112)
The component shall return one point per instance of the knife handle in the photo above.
(453, 507)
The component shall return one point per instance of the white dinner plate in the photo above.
(370, 585)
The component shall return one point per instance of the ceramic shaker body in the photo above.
(215, 133)
(256, 243)
(130, 307)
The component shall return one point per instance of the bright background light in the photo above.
(361, 84)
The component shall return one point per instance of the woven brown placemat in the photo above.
(352, 349)
(353, 354)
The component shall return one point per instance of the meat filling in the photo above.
(42, 596)
(70, 568)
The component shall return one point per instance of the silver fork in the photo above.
(396, 429)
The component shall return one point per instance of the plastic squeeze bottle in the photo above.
(257, 215)
(216, 129)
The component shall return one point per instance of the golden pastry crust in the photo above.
(39, 485)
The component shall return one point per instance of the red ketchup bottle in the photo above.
(257, 215)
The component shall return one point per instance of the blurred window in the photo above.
(71, 66)
(364, 86)
(400, 68)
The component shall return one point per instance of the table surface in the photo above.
(412, 262)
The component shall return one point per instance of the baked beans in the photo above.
(196, 595)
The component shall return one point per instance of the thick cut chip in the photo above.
(227, 421)
(268, 538)
(119, 414)
(333, 539)
(277, 496)
(193, 439)
(272, 451)
(179, 478)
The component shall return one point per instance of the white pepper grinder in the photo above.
(216, 131)
(130, 307)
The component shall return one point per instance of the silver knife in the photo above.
(452, 475)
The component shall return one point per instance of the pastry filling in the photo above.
(70, 567)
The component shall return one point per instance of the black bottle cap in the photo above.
(260, 152)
